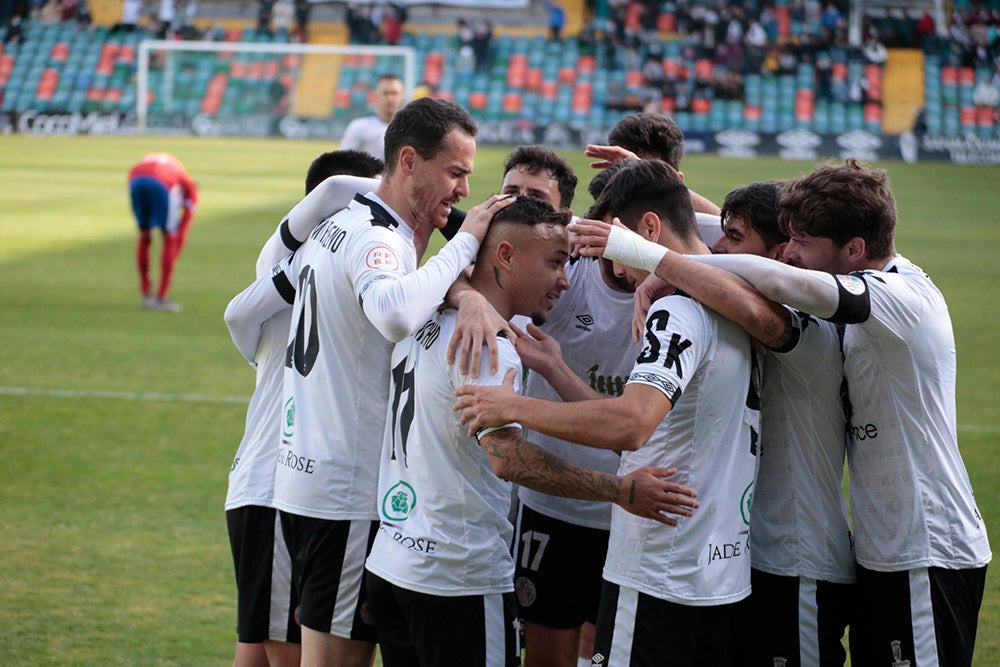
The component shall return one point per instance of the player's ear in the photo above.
(649, 226)
(776, 251)
(504, 254)
(856, 249)
(407, 159)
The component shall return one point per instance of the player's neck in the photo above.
(489, 283)
(396, 200)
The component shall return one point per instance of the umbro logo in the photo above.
(597, 660)
(585, 322)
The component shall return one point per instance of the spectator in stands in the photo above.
(303, 8)
(824, 76)
(131, 12)
(50, 12)
(832, 18)
(927, 32)
(875, 52)
(282, 18)
(84, 18)
(482, 45)
(557, 20)
(390, 25)
(264, 13)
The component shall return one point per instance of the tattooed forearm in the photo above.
(515, 459)
(779, 331)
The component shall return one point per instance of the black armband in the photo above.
(854, 300)
(287, 238)
(281, 283)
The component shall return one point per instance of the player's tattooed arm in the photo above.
(643, 492)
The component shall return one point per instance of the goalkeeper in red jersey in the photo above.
(163, 196)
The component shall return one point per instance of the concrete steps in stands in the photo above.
(318, 77)
(902, 89)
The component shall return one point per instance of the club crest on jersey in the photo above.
(745, 502)
(288, 419)
(383, 258)
(852, 284)
(399, 501)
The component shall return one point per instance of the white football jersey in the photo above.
(709, 228)
(365, 134)
(337, 365)
(443, 510)
(251, 476)
(911, 500)
(591, 322)
(798, 523)
(702, 363)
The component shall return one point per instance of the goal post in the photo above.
(251, 88)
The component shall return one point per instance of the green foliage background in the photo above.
(114, 547)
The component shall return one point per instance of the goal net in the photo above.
(261, 89)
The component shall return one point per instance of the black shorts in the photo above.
(796, 618)
(639, 630)
(926, 616)
(558, 567)
(328, 561)
(266, 601)
(417, 629)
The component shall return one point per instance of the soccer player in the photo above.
(358, 290)
(368, 133)
(561, 542)
(650, 136)
(163, 197)
(668, 589)
(801, 551)
(537, 171)
(440, 572)
(920, 542)
(267, 632)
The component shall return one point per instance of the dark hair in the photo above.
(757, 203)
(839, 202)
(536, 159)
(648, 185)
(334, 163)
(389, 76)
(530, 211)
(601, 179)
(423, 124)
(651, 136)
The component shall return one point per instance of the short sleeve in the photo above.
(677, 338)
(508, 360)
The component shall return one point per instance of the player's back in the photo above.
(337, 366)
(703, 361)
(911, 499)
(799, 516)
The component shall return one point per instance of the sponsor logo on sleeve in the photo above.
(382, 258)
(852, 284)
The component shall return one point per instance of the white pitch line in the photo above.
(122, 395)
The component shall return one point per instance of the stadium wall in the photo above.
(798, 144)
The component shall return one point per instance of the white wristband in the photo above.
(627, 247)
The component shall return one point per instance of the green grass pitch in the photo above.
(114, 547)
